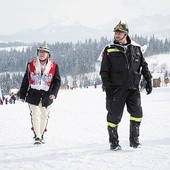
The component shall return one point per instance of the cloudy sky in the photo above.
(17, 15)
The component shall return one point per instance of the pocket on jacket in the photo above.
(137, 78)
(46, 101)
(117, 79)
(33, 97)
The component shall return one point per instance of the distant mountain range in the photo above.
(55, 31)
(157, 25)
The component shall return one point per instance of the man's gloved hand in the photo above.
(149, 87)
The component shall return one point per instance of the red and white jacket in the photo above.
(41, 80)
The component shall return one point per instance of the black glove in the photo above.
(148, 87)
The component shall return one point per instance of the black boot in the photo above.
(42, 138)
(113, 138)
(134, 134)
(37, 141)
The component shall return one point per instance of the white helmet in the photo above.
(45, 48)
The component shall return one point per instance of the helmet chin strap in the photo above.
(119, 41)
(123, 37)
(41, 61)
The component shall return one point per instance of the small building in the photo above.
(157, 79)
(157, 82)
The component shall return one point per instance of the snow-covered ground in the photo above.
(77, 136)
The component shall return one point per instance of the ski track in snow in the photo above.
(77, 138)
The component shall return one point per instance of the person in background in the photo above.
(2, 98)
(121, 68)
(6, 100)
(1, 101)
(40, 86)
(13, 98)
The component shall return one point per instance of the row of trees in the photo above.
(8, 81)
(73, 58)
(155, 45)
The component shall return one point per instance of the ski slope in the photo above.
(77, 137)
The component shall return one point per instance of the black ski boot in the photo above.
(134, 134)
(113, 138)
(37, 141)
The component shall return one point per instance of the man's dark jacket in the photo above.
(122, 66)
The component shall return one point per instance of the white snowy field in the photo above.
(77, 137)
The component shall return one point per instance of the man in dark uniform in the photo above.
(121, 69)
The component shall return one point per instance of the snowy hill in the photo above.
(53, 32)
(159, 62)
(144, 25)
(77, 136)
(66, 30)
(157, 25)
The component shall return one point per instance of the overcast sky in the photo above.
(16, 15)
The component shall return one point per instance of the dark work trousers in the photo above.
(115, 105)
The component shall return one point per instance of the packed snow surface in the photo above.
(77, 137)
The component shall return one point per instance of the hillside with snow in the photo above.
(67, 30)
(158, 63)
